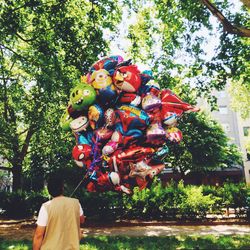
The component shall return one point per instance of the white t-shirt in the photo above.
(42, 219)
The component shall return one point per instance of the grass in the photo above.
(150, 243)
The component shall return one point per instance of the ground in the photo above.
(24, 229)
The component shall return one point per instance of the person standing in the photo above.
(58, 223)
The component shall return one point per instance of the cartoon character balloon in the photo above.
(82, 96)
(123, 123)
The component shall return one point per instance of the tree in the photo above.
(227, 26)
(47, 45)
(44, 47)
(204, 147)
(240, 94)
(173, 37)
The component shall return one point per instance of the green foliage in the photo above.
(101, 206)
(205, 145)
(240, 93)
(234, 196)
(174, 201)
(194, 204)
(187, 202)
(172, 36)
(21, 204)
(44, 48)
(149, 242)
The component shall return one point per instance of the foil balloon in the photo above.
(103, 134)
(82, 96)
(129, 98)
(145, 170)
(112, 145)
(110, 117)
(127, 78)
(169, 118)
(130, 117)
(110, 148)
(173, 107)
(105, 90)
(155, 132)
(80, 164)
(84, 137)
(81, 152)
(107, 96)
(174, 134)
(79, 124)
(150, 102)
(135, 154)
(73, 113)
(95, 116)
(100, 79)
(146, 76)
(107, 63)
(65, 121)
(151, 87)
(122, 122)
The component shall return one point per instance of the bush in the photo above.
(194, 204)
(101, 206)
(217, 207)
(173, 201)
(234, 196)
(21, 204)
(187, 202)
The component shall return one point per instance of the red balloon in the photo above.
(81, 152)
(127, 78)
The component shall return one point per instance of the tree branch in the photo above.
(43, 146)
(5, 91)
(23, 132)
(7, 158)
(25, 146)
(227, 26)
(14, 52)
(5, 168)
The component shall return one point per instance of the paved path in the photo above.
(169, 230)
(25, 230)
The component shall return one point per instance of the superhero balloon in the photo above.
(122, 122)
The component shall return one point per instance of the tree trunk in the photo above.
(17, 177)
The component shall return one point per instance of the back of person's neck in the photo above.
(61, 195)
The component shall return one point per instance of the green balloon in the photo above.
(82, 96)
(65, 121)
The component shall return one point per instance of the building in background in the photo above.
(6, 178)
(235, 128)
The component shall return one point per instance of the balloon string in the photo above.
(96, 157)
(79, 184)
(115, 165)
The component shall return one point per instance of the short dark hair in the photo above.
(55, 185)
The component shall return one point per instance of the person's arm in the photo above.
(82, 217)
(41, 227)
(38, 237)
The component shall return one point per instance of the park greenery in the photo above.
(149, 242)
(175, 201)
(45, 46)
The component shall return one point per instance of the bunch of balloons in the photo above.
(122, 122)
